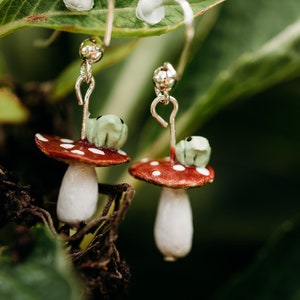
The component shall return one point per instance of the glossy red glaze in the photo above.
(79, 151)
(171, 174)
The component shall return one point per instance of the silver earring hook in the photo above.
(91, 52)
(161, 99)
(85, 101)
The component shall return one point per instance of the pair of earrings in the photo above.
(102, 138)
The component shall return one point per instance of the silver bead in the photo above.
(91, 50)
(165, 77)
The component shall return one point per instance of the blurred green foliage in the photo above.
(41, 270)
(240, 90)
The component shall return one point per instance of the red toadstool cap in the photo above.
(81, 151)
(175, 175)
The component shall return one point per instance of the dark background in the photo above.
(255, 153)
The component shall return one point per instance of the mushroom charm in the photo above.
(186, 167)
(173, 229)
(78, 194)
(99, 145)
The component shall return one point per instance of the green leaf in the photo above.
(234, 63)
(46, 273)
(11, 108)
(275, 275)
(16, 14)
(276, 61)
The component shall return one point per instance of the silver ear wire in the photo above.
(161, 99)
(91, 52)
(164, 80)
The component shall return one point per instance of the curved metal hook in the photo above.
(89, 91)
(85, 101)
(161, 99)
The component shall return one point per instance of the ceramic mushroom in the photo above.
(78, 194)
(173, 229)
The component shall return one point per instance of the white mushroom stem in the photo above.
(173, 229)
(78, 194)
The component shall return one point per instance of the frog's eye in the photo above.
(121, 120)
(98, 117)
(188, 139)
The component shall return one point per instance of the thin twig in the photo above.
(105, 224)
(45, 216)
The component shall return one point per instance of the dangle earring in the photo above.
(185, 167)
(99, 144)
